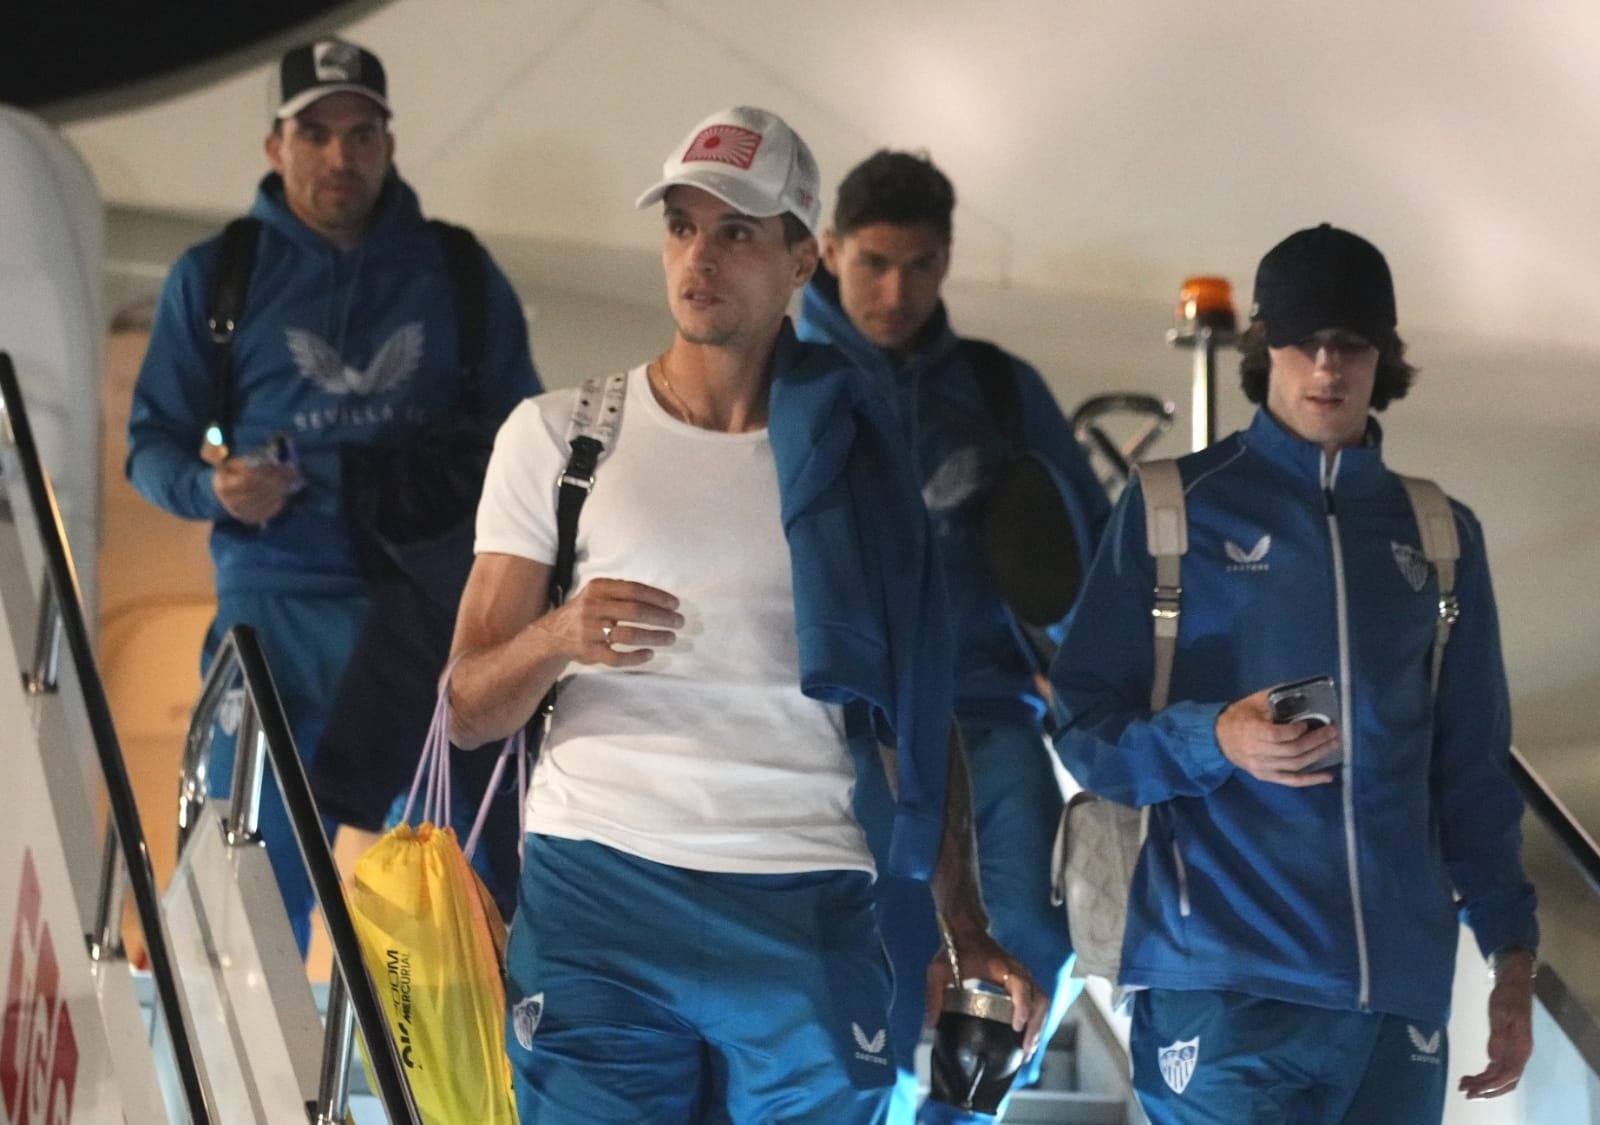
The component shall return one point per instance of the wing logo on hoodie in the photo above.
(1253, 559)
(953, 481)
(1254, 555)
(395, 362)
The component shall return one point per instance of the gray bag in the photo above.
(1098, 841)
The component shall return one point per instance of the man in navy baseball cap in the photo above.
(1293, 921)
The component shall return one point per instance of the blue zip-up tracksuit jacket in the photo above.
(937, 399)
(334, 347)
(959, 452)
(1340, 895)
(869, 598)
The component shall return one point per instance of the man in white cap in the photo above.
(696, 937)
(347, 336)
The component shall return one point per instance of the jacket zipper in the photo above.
(1346, 733)
(1183, 880)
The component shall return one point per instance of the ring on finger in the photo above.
(605, 633)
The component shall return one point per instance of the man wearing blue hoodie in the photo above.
(1292, 924)
(878, 300)
(348, 337)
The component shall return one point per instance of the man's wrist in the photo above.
(1521, 960)
(961, 924)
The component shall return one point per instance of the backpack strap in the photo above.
(225, 303)
(590, 434)
(464, 266)
(1002, 399)
(1166, 529)
(997, 382)
(1436, 524)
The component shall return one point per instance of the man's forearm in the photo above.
(503, 661)
(173, 479)
(956, 894)
(496, 689)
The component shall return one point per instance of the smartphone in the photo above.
(279, 449)
(1313, 701)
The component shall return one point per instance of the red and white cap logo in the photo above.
(724, 144)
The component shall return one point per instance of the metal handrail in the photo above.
(1576, 844)
(1157, 413)
(265, 740)
(1580, 1025)
(61, 613)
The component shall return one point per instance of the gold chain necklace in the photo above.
(685, 415)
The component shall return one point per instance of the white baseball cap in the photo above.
(750, 159)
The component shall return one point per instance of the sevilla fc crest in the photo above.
(1177, 1062)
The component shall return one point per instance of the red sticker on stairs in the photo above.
(38, 1052)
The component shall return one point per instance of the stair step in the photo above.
(1064, 1107)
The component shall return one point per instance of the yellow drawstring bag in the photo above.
(435, 945)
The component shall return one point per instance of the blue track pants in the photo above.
(639, 992)
(1224, 1058)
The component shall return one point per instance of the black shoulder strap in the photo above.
(572, 491)
(592, 431)
(235, 259)
(463, 263)
(998, 384)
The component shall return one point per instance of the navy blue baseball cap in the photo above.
(329, 66)
(1321, 278)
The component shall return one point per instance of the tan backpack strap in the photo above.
(1436, 524)
(1166, 529)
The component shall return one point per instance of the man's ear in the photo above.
(273, 147)
(830, 251)
(805, 261)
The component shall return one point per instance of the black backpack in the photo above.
(1030, 534)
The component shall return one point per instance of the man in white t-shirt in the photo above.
(696, 937)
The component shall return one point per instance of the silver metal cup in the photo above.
(976, 1052)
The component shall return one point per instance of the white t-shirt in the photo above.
(707, 756)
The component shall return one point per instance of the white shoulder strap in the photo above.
(599, 410)
(1166, 526)
(1436, 524)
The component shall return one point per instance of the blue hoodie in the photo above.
(334, 347)
(958, 450)
(1340, 895)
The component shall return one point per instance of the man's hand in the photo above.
(611, 611)
(1270, 751)
(1510, 1030)
(253, 494)
(980, 956)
